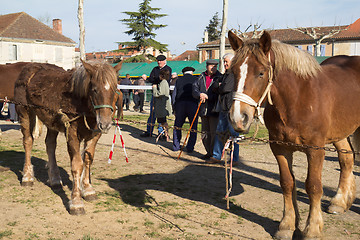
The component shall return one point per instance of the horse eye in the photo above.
(261, 74)
(94, 90)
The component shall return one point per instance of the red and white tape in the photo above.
(113, 143)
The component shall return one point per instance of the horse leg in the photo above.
(26, 129)
(290, 220)
(346, 189)
(53, 170)
(355, 142)
(87, 191)
(76, 204)
(313, 185)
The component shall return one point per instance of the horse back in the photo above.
(44, 89)
(8, 75)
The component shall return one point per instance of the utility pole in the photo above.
(223, 33)
(82, 30)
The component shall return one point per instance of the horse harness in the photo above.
(242, 97)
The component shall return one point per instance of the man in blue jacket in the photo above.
(203, 91)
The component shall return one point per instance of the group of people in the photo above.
(138, 94)
(210, 95)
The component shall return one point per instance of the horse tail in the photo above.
(355, 144)
(38, 126)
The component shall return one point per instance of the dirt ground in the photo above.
(156, 196)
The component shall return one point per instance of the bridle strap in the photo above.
(103, 106)
(242, 97)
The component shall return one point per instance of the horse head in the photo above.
(253, 72)
(101, 92)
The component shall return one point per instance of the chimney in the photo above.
(206, 36)
(57, 25)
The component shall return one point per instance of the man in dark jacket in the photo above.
(224, 128)
(154, 79)
(203, 91)
(185, 106)
(126, 92)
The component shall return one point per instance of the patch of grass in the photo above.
(88, 237)
(181, 215)
(5, 233)
(168, 204)
(152, 234)
(223, 215)
(12, 224)
(148, 223)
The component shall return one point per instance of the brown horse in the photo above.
(306, 104)
(78, 102)
(8, 75)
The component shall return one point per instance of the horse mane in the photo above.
(289, 57)
(80, 79)
(286, 57)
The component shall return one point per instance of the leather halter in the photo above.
(242, 97)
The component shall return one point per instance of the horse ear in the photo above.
(118, 66)
(265, 42)
(88, 67)
(235, 41)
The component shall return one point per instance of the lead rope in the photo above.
(228, 175)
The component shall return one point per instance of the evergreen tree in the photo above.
(214, 27)
(141, 26)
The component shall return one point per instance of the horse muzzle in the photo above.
(241, 119)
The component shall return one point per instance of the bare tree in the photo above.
(317, 35)
(255, 33)
(82, 29)
(223, 33)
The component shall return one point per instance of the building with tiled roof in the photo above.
(25, 39)
(346, 41)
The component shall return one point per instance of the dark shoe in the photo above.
(212, 160)
(206, 156)
(145, 134)
(189, 151)
(163, 138)
(135, 109)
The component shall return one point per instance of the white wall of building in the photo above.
(355, 48)
(37, 51)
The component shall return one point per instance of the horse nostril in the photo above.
(245, 119)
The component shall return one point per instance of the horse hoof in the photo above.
(27, 184)
(284, 235)
(334, 209)
(77, 211)
(90, 198)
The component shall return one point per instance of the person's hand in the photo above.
(203, 97)
(136, 93)
(154, 85)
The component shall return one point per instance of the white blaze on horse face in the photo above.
(240, 88)
(107, 86)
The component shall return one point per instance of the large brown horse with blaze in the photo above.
(306, 104)
(79, 102)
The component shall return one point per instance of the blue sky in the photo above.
(186, 19)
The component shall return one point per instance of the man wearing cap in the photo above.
(203, 91)
(154, 79)
(184, 106)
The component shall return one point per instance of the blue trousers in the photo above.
(151, 119)
(223, 126)
(183, 110)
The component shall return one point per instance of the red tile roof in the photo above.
(351, 31)
(22, 25)
(187, 56)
